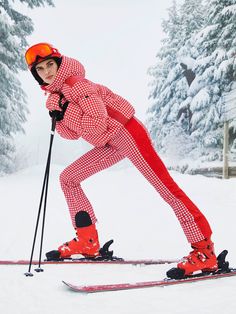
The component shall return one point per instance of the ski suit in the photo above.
(107, 121)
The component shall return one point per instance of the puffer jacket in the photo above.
(94, 112)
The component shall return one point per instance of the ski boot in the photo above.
(85, 243)
(202, 258)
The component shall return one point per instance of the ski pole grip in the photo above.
(54, 121)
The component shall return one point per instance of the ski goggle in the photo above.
(39, 52)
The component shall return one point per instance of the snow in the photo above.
(142, 226)
(199, 100)
(190, 62)
(201, 36)
(231, 9)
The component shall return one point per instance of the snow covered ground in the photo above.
(142, 226)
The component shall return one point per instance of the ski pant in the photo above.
(133, 142)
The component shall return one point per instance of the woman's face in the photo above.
(47, 70)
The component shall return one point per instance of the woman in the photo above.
(106, 120)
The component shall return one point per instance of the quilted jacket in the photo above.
(94, 112)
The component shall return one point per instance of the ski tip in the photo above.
(73, 287)
(67, 284)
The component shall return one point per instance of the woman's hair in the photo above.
(35, 74)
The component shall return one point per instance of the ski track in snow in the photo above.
(142, 226)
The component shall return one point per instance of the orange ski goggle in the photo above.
(39, 52)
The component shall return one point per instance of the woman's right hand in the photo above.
(53, 102)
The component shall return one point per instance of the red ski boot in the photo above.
(202, 258)
(86, 242)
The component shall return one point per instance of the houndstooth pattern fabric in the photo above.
(87, 117)
(53, 102)
(87, 113)
(133, 142)
(68, 67)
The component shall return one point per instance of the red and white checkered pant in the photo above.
(134, 143)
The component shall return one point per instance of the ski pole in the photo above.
(44, 188)
(39, 269)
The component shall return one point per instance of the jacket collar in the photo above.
(69, 67)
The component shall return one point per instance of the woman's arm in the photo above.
(94, 113)
(65, 132)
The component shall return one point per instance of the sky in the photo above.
(116, 41)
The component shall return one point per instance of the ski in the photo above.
(175, 277)
(147, 284)
(91, 261)
(105, 257)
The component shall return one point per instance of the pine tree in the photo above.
(170, 114)
(14, 27)
(162, 93)
(207, 49)
(215, 70)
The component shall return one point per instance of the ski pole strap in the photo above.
(64, 105)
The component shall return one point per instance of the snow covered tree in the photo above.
(215, 50)
(14, 27)
(187, 100)
(169, 114)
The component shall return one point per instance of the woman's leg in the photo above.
(135, 144)
(90, 163)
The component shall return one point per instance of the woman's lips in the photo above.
(49, 77)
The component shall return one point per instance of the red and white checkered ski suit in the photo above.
(107, 121)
